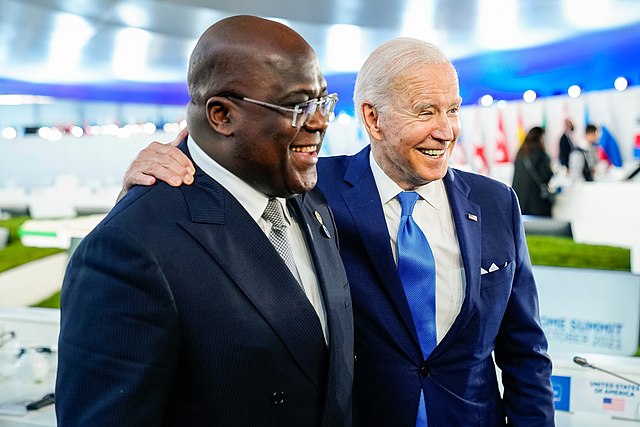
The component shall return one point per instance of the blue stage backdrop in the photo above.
(592, 61)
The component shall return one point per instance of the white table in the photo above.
(587, 388)
(33, 327)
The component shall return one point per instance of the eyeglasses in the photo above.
(302, 111)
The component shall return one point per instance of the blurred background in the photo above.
(74, 72)
(85, 85)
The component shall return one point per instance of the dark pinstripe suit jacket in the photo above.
(177, 311)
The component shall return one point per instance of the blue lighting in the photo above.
(592, 61)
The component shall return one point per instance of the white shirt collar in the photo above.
(432, 192)
(252, 200)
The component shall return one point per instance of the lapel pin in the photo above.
(323, 229)
(472, 217)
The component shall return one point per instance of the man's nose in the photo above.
(443, 130)
(316, 121)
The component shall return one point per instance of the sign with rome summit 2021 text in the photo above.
(589, 311)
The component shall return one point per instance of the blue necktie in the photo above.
(417, 271)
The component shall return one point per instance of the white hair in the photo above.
(387, 62)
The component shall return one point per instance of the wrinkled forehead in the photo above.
(434, 82)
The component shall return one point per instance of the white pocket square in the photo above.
(493, 267)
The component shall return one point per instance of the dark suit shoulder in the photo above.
(329, 167)
(146, 204)
(336, 171)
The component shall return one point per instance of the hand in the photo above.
(162, 161)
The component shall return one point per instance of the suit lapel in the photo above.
(311, 214)
(331, 277)
(469, 236)
(363, 201)
(324, 268)
(366, 210)
(222, 226)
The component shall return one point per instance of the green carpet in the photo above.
(15, 254)
(544, 250)
(564, 252)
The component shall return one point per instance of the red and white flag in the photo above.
(502, 152)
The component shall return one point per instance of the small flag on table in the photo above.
(613, 404)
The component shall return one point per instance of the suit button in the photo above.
(424, 370)
(277, 398)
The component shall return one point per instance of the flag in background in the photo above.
(502, 153)
(636, 147)
(479, 159)
(544, 117)
(459, 156)
(608, 148)
(521, 132)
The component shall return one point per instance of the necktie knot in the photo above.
(278, 235)
(407, 201)
(273, 213)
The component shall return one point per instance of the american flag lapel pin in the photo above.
(472, 217)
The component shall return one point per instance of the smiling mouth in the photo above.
(432, 153)
(305, 149)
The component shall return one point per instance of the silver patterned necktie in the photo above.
(278, 235)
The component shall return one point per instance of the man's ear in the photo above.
(219, 114)
(371, 121)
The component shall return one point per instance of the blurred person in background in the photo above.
(583, 161)
(566, 144)
(532, 173)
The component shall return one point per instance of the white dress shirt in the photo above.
(432, 213)
(254, 202)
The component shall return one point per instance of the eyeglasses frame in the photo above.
(296, 109)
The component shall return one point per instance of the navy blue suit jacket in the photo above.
(499, 313)
(178, 311)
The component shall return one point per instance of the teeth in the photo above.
(304, 149)
(433, 153)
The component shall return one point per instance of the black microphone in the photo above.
(583, 362)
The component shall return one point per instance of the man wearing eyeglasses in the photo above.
(437, 260)
(223, 303)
